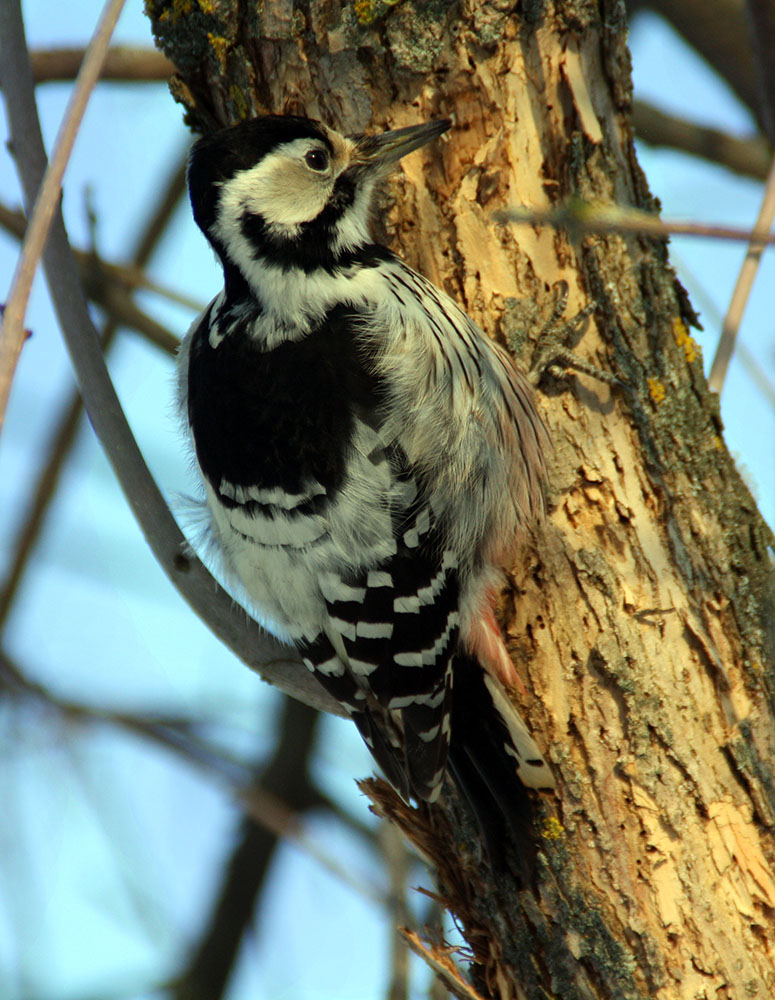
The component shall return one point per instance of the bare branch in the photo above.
(396, 857)
(126, 63)
(134, 278)
(108, 285)
(743, 286)
(275, 805)
(106, 289)
(750, 156)
(761, 32)
(266, 801)
(173, 733)
(581, 217)
(718, 31)
(231, 624)
(439, 961)
(47, 200)
(95, 270)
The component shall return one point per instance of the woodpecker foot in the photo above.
(554, 354)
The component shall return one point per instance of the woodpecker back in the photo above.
(368, 455)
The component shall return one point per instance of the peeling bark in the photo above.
(642, 616)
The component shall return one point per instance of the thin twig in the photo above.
(438, 959)
(121, 308)
(99, 274)
(580, 217)
(743, 286)
(135, 278)
(127, 63)
(12, 335)
(279, 664)
(171, 732)
(109, 284)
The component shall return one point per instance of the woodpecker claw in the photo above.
(554, 352)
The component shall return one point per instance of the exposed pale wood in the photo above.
(642, 615)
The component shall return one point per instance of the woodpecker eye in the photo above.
(317, 159)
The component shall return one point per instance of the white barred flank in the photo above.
(270, 498)
(432, 700)
(374, 630)
(332, 667)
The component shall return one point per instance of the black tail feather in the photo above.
(486, 774)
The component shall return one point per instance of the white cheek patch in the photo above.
(281, 188)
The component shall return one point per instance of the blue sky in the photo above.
(85, 812)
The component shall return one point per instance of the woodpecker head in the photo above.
(290, 190)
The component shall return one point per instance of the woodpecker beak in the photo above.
(385, 149)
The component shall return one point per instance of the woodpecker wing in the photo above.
(396, 629)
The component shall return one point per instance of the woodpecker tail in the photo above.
(493, 759)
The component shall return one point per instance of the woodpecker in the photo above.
(369, 456)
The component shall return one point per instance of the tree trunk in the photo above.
(642, 615)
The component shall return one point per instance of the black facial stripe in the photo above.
(342, 197)
(311, 249)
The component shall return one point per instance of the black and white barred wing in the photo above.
(388, 652)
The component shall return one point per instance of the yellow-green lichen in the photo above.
(220, 47)
(684, 339)
(239, 102)
(367, 11)
(656, 391)
(180, 8)
(552, 829)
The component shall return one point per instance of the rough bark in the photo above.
(642, 616)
